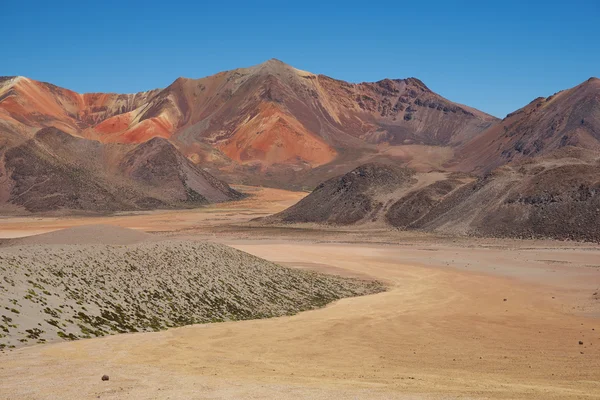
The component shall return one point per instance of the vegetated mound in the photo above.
(568, 118)
(55, 171)
(349, 198)
(52, 292)
(87, 234)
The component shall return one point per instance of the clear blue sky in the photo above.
(496, 56)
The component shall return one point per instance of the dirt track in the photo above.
(443, 330)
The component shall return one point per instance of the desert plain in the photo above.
(462, 317)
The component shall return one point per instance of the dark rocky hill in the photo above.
(57, 171)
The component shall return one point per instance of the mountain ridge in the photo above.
(266, 124)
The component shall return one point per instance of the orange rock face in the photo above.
(25, 103)
(272, 137)
(38, 104)
(123, 129)
(116, 124)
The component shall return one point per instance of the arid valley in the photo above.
(460, 318)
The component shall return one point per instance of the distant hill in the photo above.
(369, 195)
(55, 171)
(351, 198)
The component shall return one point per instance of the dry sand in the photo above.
(262, 202)
(464, 318)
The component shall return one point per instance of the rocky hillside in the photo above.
(406, 211)
(554, 196)
(56, 171)
(568, 118)
(348, 199)
(51, 292)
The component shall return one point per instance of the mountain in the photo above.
(268, 124)
(251, 113)
(568, 118)
(536, 174)
(27, 105)
(55, 171)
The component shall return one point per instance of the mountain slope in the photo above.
(27, 105)
(54, 171)
(555, 196)
(372, 194)
(568, 118)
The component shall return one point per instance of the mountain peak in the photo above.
(276, 67)
(595, 82)
(10, 81)
(417, 82)
(273, 64)
(545, 125)
(274, 61)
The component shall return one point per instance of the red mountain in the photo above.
(270, 123)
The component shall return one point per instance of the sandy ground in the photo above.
(262, 202)
(463, 318)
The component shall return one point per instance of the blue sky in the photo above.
(495, 56)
